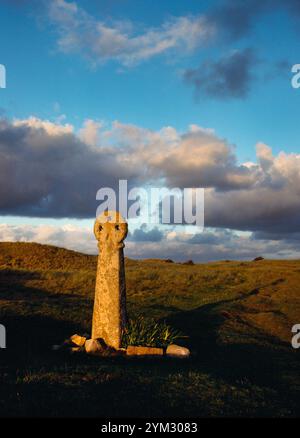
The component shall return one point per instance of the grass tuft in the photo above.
(149, 333)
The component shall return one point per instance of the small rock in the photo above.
(93, 346)
(177, 351)
(99, 348)
(144, 351)
(78, 340)
(189, 262)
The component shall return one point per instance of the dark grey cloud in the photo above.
(262, 209)
(142, 235)
(283, 236)
(293, 7)
(52, 175)
(235, 18)
(230, 77)
(47, 170)
(212, 237)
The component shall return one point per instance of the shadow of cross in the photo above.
(109, 316)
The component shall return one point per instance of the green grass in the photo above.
(237, 317)
(149, 333)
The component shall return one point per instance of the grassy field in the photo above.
(237, 316)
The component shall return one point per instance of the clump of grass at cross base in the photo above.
(149, 333)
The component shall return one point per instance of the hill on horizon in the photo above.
(32, 255)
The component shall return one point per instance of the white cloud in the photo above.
(52, 129)
(89, 134)
(211, 245)
(66, 236)
(100, 41)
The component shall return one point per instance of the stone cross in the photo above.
(109, 316)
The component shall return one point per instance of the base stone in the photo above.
(143, 351)
(78, 340)
(177, 351)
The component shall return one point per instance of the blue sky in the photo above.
(151, 94)
(59, 71)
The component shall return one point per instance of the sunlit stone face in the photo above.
(109, 317)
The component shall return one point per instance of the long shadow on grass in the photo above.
(36, 319)
(244, 355)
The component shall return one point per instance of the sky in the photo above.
(174, 93)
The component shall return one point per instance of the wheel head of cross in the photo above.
(111, 229)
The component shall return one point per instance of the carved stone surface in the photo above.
(109, 316)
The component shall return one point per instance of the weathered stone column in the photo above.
(109, 316)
